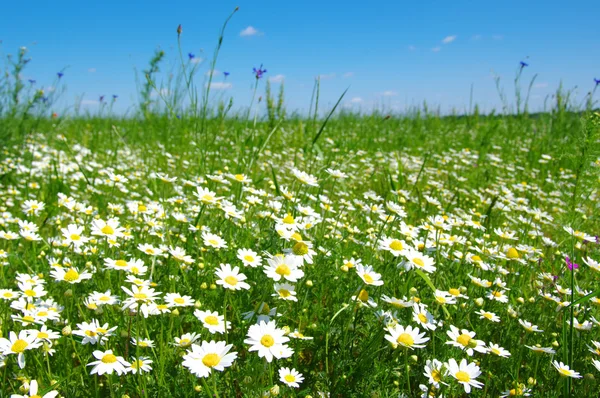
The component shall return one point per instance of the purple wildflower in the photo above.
(60, 74)
(191, 56)
(523, 64)
(225, 74)
(571, 264)
(597, 81)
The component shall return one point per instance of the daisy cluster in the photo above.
(314, 273)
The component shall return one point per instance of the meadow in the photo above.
(189, 250)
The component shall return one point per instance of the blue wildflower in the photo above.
(259, 72)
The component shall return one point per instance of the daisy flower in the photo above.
(202, 359)
(408, 337)
(497, 350)
(283, 266)
(465, 373)
(490, 316)
(424, 317)
(69, 275)
(186, 340)
(435, 372)
(285, 291)
(290, 377)
(141, 364)
(394, 246)
(368, 276)
(268, 340)
(231, 278)
(528, 326)
(73, 235)
(464, 340)
(177, 300)
(108, 363)
(213, 240)
(33, 392)
(416, 259)
(18, 344)
(214, 322)
(110, 229)
(249, 258)
(565, 371)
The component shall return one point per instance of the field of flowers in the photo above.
(188, 252)
(390, 256)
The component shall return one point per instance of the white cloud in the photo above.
(197, 60)
(541, 85)
(277, 79)
(327, 76)
(250, 31)
(214, 72)
(92, 70)
(389, 93)
(347, 75)
(220, 85)
(356, 100)
(436, 49)
(497, 37)
(476, 37)
(412, 48)
(449, 39)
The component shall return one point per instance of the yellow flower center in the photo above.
(140, 296)
(406, 340)
(283, 270)
(396, 245)
(267, 340)
(107, 230)
(487, 315)
(476, 259)
(454, 292)
(239, 177)
(19, 346)
(290, 378)
(231, 280)
(436, 375)
(363, 296)
(75, 237)
(497, 293)
(211, 320)
(179, 300)
(42, 335)
(463, 339)
(422, 317)
(495, 351)
(288, 219)
(300, 249)
(248, 258)
(418, 262)
(7, 294)
(184, 342)
(211, 360)
(71, 275)
(512, 253)
(91, 333)
(463, 376)
(109, 358)
(368, 278)
(284, 293)
(564, 372)
(137, 364)
(121, 263)
(30, 293)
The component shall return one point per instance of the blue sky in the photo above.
(394, 53)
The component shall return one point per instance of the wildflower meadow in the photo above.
(189, 249)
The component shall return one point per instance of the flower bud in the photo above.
(66, 331)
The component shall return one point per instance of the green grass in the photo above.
(481, 196)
